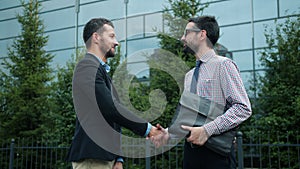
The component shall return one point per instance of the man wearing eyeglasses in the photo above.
(216, 79)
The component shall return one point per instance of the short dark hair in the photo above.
(93, 26)
(209, 24)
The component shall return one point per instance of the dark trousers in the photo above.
(203, 158)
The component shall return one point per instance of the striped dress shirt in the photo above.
(219, 81)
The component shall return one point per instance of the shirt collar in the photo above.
(208, 55)
(106, 66)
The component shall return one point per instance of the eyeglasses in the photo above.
(186, 31)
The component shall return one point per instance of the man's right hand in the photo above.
(154, 131)
(162, 138)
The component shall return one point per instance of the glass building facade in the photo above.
(136, 23)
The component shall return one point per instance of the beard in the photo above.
(188, 50)
(109, 54)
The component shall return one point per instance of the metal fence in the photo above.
(32, 154)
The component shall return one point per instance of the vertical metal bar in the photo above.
(155, 157)
(6, 154)
(251, 152)
(36, 154)
(61, 152)
(240, 150)
(253, 51)
(148, 155)
(297, 136)
(31, 153)
(42, 145)
(22, 153)
(176, 156)
(46, 153)
(278, 9)
(170, 156)
(163, 21)
(260, 151)
(77, 9)
(56, 152)
(144, 26)
(162, 158)
(11, 156)
(126, 13)
(2, 154)
(269, 148)
(278, 150)
(51, 150)
(287, 141)
(26, 159)
(17, 153)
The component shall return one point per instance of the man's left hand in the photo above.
(118, 165)
(198, 135)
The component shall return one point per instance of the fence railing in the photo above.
(253, 153)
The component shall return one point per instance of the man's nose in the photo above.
(182, 38)
(116, 43)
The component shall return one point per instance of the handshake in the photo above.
(159, 136)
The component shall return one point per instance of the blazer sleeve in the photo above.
(112, 109)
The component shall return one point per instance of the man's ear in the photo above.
(96, 37)
(204, 32)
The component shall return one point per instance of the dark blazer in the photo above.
(99, 114)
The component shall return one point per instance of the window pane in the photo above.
(10, 13)
(257, 60)
(111, 9)
(120, 28)
(230, 12)
(264, 13)
(13, 28)
(135, 27)
(247, 77)
(243, 60)
(52, 5)
(2, 67)
(67, 20)
(138, 6)
(8, 4)
(259, 33)
(153, 23)
(136, 45)
(61, 57)
(80, 36)
(236, 37)
(289, 7)
(61, 39)
(3, 47)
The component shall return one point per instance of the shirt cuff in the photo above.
(120, 159)
(211, 128)
(148, 130)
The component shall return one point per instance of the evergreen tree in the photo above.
(25, 84)
(63, 117)
(280, 87)
(175, 21)
(276, 114)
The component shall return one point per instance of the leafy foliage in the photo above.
(161, 80)
(277, 108)
(63, 117)
(25, 83)
(175, 21)
(280, 90)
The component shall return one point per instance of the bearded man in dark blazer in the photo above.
(99, 114)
